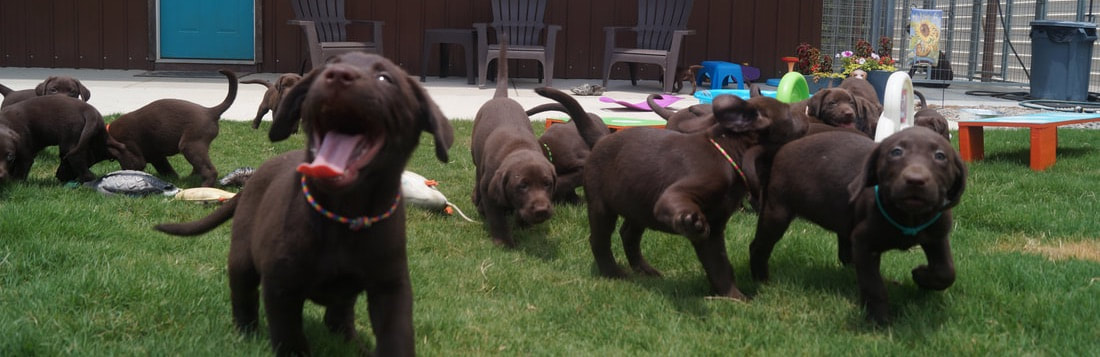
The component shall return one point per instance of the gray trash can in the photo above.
(1061, 56)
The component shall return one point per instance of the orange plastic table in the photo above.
(1044, 134)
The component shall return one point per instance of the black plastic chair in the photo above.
(325, 28)
(523, 21)
(662, 25)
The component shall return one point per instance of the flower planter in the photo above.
(822, 83)
(878, 80)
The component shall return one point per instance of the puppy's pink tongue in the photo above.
(332, 158)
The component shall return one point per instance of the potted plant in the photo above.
(878, 64)
(817, 69)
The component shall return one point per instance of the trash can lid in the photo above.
(1056, 23)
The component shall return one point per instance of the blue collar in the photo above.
(909, 231)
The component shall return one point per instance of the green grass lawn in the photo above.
(85, 274)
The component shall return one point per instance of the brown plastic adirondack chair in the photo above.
(522, 20)
(325, 28)
(662, 25)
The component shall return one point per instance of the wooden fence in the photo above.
(117, 34)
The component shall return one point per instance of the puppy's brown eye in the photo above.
(940, 156)
(385, 78)
(896, 152)
(53, 90)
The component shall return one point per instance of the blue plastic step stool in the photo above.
(719, 73)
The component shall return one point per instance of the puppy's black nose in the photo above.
(341, 75)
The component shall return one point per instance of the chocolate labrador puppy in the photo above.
(830, 106)
(932, 119)
(867, 105)
(512, 174)
(682, 183)
(168, 127)
(41, 121)
(9, 148)
(563, 145)
(273, 94)
(876, 197)
(53, 85)
(685, 74)
(694, 118)
(336, 229)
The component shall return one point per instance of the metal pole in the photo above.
(876, 19)
(903, 48)
(1004, 43)
(1081, 11)
(888, 30)
(1040, 9)
(950, 28)
(975, 38)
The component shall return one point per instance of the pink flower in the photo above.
(847, 53)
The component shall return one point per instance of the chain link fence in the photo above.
(985, 42)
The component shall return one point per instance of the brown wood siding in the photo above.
(75, 34)
(116, 33)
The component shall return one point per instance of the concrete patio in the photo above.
(121, 91)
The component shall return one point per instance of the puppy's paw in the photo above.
(760, 274)
(878, 314)
(612, 271)
(928, 278)
(646, 269)
(504, 242)
(692, 225)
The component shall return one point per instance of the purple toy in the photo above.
(662, 100)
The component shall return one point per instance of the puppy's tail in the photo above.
(923, 102)
(590, 126)
(665, 113)
(93, 121)
(4, 90)
(547, 107)
(203, 225)
(502, 68)
(232, 95)
(263, 82)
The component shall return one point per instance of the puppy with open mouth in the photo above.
(328, 223)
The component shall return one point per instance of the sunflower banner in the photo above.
(924, 35)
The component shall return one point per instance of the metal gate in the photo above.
(986, 42)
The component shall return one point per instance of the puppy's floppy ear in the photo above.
(290, 107)
(431, 120)
(867, 176)
(814, 104)
(40, 89)
(954, 194)
(85, 94)
(498, 192)
(733, 114)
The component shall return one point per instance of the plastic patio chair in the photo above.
(662, 25)
(325, 28)
(522, 21)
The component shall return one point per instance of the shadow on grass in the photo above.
(911, 307)
(1023, 155)
(687, 293)
(533, 241)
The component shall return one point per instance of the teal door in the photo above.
(207, 29)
